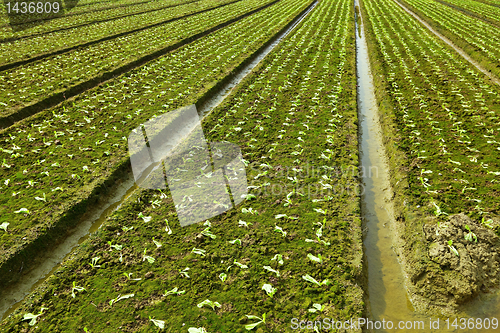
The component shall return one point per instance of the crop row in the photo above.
(447, 130)
(277, 256)
(484, 11)
(26, 85)
(480, 39)
(59, 157)
(27, 48)
(73, 19)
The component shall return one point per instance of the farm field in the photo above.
(478, 38)
(442, 131)
(292, 84)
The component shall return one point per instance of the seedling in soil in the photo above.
(119, 298)
(318, 259)
(269, 268)
(244, 224)
(279, 258)
(309, 278)
(438, 211)
(223, 277)
(249, 210)
(93, 263)
(184, 272)
(159, 323)
(260, 321)
(240, 265)
(128, 275)
(116, 246)
(209, 303)
(32, 317)
(4, 226)
(487, 223)
(317, 307)
(144, 218)
(158, 244)
(167, 228)
(207, 233)
(197, 330)
(452, 248)
(199, 251)
(148, 258)
(269, 289)
(174, 291)
(470, 235)
(75, 287)
(22, 210)
(279, 229)
(236, 241)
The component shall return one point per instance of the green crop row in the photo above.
(481, 10)
(30, 47)
(28, 84)
(442, 129)
(283, 253)
(56, 159)
(89, 16)
(479, 39)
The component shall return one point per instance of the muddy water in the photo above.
(386, 290)
(387, 296)
(12, 297)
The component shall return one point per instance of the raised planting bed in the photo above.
(481, 40)
(73, 152)
(74, 18)
(56, 78)
(442, 131)
(26, 50)
(280, 254)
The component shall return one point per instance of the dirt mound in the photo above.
(467, 253)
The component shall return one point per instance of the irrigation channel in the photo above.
(387, 294)
(12, 297)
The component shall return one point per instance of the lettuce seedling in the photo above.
(279, 258)
(167, 228)
(32, 317)
(158, 244)
(174, 291)
(309, 278)
(197, 330)
(159, 323)
(318, 259)
(269, 289)
(209, 303)
(148, 258)
(4, 226)
(317, 307)
(269, 268)
(470, 235)
(260, 320)
(223, 277)
(452, 248)
(75, 287)
(487, 223)
(128, 275)
(119, 298)
(279, 229)
(206, 232)
(236, 241)
(93, 263)
(184, 272)
(198, 251)
(22, 210)
(240, 265)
